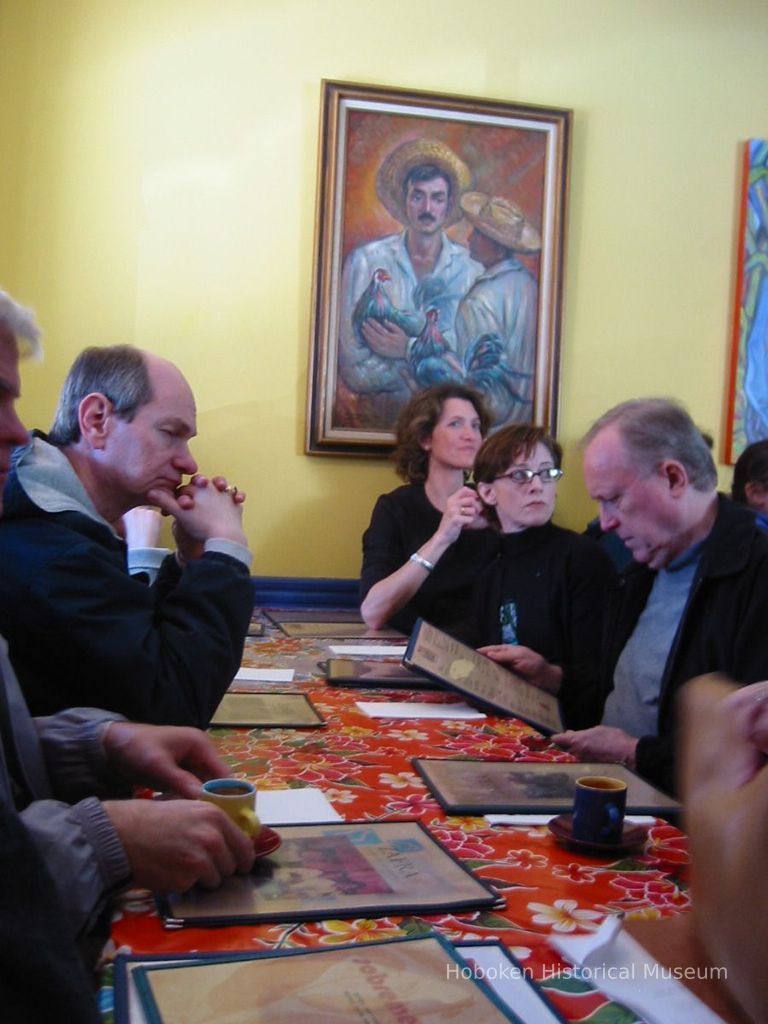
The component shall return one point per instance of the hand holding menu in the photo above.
(438, 655)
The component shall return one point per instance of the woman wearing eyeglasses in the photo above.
(539, 606)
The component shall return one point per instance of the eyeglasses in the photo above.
(548, 475)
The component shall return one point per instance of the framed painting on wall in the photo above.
(748, 391)
(439, 252)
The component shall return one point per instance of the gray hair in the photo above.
(21, 323)
(117, 371)
(654, 429)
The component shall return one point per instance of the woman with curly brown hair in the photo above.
(428, 540)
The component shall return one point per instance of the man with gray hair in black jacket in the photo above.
(695, 598)
(163, 654)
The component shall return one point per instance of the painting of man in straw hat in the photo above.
(419, 281)
(389, 284)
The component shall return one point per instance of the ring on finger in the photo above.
(231, 489)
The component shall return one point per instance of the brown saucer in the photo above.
(266, 842)
(633, 835)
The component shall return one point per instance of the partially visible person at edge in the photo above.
(63, 850)
(695, 599)
(724, 784)
(539, 604)
(81, 630)
(750, 481)
(428, 539)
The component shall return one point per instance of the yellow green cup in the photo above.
(237, 798)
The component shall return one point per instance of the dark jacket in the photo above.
(724, 627)
(559, 582)
(400, 523)
(83, 632)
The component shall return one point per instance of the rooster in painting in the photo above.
(484, 367)
(487, 370)
(431, 359)
(375, 304)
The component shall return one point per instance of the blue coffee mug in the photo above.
(598, 809)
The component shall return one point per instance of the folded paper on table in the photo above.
(368, 650)
(620, 968)
(438, 655)
(416, 709)
(498, 968)
(264, 675)
(294, 806)
(522, 820)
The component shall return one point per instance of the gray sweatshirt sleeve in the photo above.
(83, 852)
(76, 837)
(74, 754)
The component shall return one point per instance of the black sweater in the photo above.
(401, 522)
(559, 582)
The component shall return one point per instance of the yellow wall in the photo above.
(157, 186)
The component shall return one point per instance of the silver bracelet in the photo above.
(415, 557)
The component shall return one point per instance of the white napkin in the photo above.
(617, 965)
(509, 982)
(295, 806)
(416, 709)
(522, 820)
(264, 675)
(369, 650)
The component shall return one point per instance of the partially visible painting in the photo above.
(748, 395)
(438, 257)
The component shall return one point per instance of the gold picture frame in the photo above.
(446, 314)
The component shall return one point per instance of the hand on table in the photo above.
(170, 758)
(602, 743)
(172, 845)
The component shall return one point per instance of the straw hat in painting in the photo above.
(501, 220)
(409, 155)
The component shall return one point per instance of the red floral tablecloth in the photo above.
(363, 765)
